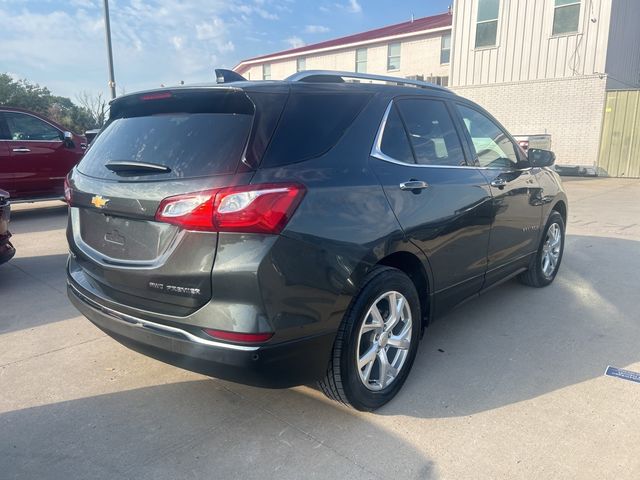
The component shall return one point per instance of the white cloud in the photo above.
(316, 29)
(163, 41)
(352, 6)
(212, 29)
(177, 41)
(295, 42)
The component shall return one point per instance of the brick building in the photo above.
(543, 66)
(418, 49)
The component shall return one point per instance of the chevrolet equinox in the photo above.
(277, 233)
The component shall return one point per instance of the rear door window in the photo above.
(431, 131)
(311, 125)
(190, 144)
(395, 142)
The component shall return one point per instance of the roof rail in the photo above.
(337, 76)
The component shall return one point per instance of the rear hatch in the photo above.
(157, 145)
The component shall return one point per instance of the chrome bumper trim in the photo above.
(132, 321)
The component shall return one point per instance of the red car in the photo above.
(35, 155)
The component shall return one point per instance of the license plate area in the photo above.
(125, 239)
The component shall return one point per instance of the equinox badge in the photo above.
(99, 202)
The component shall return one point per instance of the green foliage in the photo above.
(23, 94)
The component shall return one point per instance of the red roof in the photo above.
(417, 25)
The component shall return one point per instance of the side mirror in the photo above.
(67, 138)
(541, 158)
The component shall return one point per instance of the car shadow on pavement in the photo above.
(33, 218)
(194, 429)
(516, 343)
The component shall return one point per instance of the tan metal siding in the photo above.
(620, 145)
(623, 56)
(526, 48)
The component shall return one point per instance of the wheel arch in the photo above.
(412, 266)
(561, 207)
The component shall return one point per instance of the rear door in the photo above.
(517, 207)
(119, 251)
(442, 204)
(39, 159)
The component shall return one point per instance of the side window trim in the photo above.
(377, 152)
(469, 140)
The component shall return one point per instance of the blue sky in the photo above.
(60, 44)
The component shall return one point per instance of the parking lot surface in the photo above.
(509, 385)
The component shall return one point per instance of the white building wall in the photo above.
(623, 55)
(570, 109)
(419, 55)
(525, 47)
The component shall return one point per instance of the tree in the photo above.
(23, 94)
(95, 105)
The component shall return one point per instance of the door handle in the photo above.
(498, 182)
(414, 185)
(21, 150)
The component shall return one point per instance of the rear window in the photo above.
(190, 144)
(311, 125)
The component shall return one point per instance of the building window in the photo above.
(487, 23)
(361, 60)
(437, 80)
(393, 56)
(266, 72)
(445, 48)
(301, 64)
(566, 16)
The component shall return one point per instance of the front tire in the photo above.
(544, 266)
(376, 343)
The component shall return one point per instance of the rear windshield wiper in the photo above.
(128, 167)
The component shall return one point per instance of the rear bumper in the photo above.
(273, 366)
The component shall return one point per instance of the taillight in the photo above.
(68, 193)
(192, 211)
(238, 337)
(264, 208)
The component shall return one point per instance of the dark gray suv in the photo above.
(283, 232)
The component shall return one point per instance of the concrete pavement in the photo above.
(509, 385)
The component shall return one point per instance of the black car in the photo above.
(6, 249)
(276, 233)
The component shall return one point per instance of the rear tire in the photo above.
(545, 264)
(374, 350)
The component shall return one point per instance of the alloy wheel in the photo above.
(384, 340)
(551, 250)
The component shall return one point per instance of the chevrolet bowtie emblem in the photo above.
(99, 202)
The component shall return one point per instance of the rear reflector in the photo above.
(264, 208)
(68, 193)
(238, 337)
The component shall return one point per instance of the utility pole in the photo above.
(107, 26)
